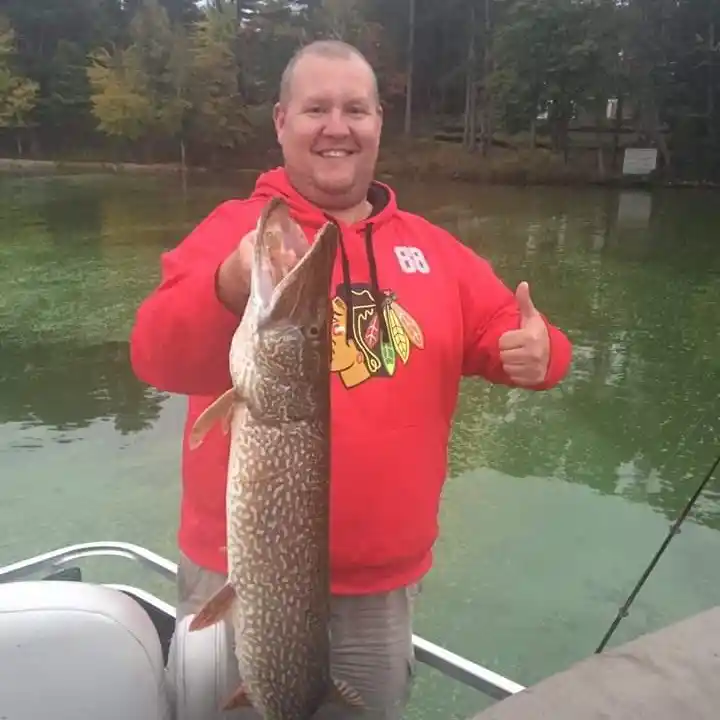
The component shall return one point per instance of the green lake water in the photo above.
(556, 501)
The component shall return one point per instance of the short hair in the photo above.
(327, 49)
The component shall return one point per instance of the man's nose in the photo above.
(336, 123)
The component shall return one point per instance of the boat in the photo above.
(77, 650)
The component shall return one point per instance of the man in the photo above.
(414, 310)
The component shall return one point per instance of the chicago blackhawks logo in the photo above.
(370, 336)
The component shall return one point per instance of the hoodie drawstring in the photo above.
(374, 284)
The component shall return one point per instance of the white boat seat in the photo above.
(202, 672)
(77, 651)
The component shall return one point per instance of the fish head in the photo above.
(291, 338)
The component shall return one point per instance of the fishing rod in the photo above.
(675, 528)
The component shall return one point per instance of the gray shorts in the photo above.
(371, 637)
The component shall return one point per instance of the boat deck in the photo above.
(671, 674)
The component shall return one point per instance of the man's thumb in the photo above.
(522, 295)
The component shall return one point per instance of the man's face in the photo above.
(329, 130)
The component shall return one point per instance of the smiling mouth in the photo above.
(335, 153)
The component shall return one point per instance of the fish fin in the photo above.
(343, 693)
(214, 609)
(238, 699)
(226, 419)
(221, 409)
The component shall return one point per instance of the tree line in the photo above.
(176, 79)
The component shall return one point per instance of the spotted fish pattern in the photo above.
(278, 492)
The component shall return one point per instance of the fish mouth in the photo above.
(285, 292)
(277, 238)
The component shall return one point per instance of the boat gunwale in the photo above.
(448, 663)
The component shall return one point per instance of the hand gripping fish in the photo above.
(278, 416)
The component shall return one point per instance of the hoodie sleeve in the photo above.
(489, 309)
(181, 337)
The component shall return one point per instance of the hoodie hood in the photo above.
(276, 183)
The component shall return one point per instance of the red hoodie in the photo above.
(394, 382)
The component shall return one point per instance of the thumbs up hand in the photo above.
(525, 353)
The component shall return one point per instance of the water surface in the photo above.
(556, 501)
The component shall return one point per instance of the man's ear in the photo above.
(278, 118)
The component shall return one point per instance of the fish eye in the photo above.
(313, 331)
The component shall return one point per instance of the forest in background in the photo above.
(466, 84)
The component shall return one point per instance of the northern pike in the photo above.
(278, 486)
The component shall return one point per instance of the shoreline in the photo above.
(388, 168)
